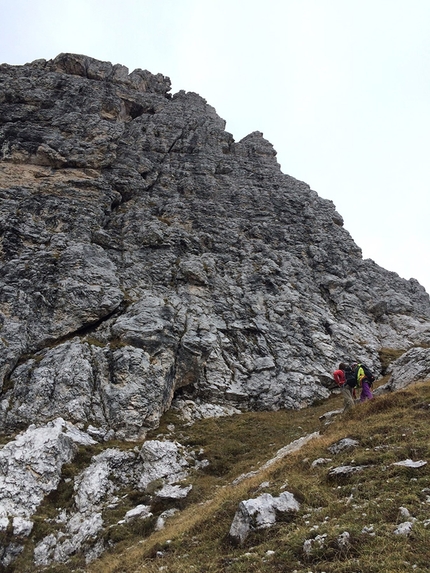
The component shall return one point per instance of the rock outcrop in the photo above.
(261, 513)
(163, 464)
(31, 468)
(149, 261)
(411, 367)
(146, 255)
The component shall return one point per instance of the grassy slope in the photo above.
(391, 428)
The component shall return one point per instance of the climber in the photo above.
(365, 379)
(346, 390)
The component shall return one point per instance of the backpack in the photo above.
(363, 373)
(351, 377)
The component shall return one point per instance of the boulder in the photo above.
(140, 511)
(345, 471)
(343, 445)
(260, 513)
(404, 528)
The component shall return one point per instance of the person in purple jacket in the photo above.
(365, 379)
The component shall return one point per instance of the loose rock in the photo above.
(260, 513)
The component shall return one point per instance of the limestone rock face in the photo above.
(146, 255)
(31, 468)
(97, 487)
(412, 366)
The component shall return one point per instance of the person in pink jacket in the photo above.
(340, 379)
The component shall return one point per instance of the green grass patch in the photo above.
(389, 355)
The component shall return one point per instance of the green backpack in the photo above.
(362, 373)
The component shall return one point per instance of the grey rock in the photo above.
(310, 544)
(368, 530)
(174, 491)
(163, 462)
(30, 468)
(9, 553)
(320, 461)
(21, 526)
(343, 541)
(328, 417)
(410, 463)
(161, 521)
(111, 388)
(404, 528)
(140, 511)
(96, 488)
(147, 259)
(345, 471)
(261, 513)
(192, 410)
(405, 513)
(343, 445)
(411, 367)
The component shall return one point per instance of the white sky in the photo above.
(341, 88)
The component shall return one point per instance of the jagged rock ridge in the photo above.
(146, 255)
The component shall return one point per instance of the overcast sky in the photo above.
(341, 88)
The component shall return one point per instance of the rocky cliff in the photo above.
(147, 256)
(148, 261)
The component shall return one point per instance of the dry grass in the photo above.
(391, 428)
